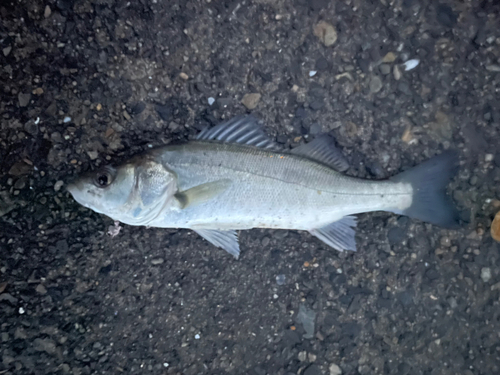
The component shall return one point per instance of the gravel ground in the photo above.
(84, 82)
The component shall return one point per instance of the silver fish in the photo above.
(233, 177)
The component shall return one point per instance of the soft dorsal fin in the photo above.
(323, 150)
(243, 129)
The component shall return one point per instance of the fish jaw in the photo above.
(82, 194)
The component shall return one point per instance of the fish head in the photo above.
(131, 193)
(105, 189)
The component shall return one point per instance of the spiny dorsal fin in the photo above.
(243, 129)
(323, 149)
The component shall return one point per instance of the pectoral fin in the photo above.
(340, 234)
(225, 239)
(202, 193)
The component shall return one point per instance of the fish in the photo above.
(233, 177)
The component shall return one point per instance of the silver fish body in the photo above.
(233, 178)
(269, 189)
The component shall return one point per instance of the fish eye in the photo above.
(103, 178)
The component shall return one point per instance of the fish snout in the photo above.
(76, 189)
(73, 188)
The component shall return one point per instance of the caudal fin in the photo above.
(429, 180)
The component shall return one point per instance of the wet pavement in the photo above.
(86, 82)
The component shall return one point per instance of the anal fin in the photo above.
(225, 239)
(340, 234)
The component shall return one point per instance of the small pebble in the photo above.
(184, 76)
(93, 154)
(251, 100)
(211, 101)
(453, 302)
(385, 69)
(40, 289)
(389, 57)
(58, 185)
(138, 108)
(47, 12)
(67, 119)
(23, 99)
(7, 50)
(312, 73)
(375, 84)
(326, 33)
(446, 16)
(488, 157)
(445, 241)
(20, 184)
(397, 73)
(197, 337)
(280, 279)
(493, 68)
(165, 364)
(495, 227)
(316, 128)
(335, 369)
(21, 311)
(486, 274)
(321, 64)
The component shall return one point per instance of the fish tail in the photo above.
(430, 202)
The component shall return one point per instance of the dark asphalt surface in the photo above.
(86, 82)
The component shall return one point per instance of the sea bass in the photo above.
(233, 177)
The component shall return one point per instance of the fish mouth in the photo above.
(75, 192)
(81, 194)
(70, 188)
(75, 186)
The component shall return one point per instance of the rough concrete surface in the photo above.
(85, 82)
